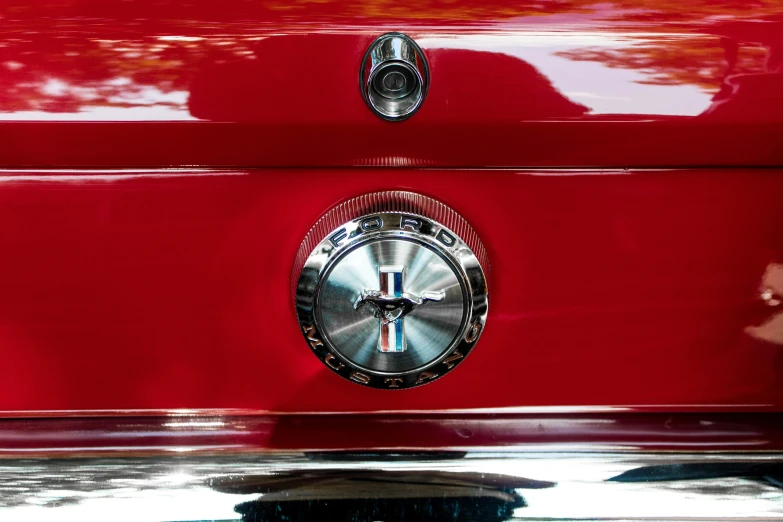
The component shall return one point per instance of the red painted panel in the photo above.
(210, 433)
(275, 83)
(170, 289)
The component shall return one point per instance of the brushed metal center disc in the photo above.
(427, 330)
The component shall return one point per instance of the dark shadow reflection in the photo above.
(483, 509)
(388, 495)
(768, 472)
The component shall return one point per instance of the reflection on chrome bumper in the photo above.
(448, 486)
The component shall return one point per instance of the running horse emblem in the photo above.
(391, 305)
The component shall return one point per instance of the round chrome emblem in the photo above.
(390, 289)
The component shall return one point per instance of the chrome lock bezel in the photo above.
(400, 53)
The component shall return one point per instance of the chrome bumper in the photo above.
(448, 486)
(197, 466)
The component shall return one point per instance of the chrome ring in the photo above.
(394, 77)
(440, 287)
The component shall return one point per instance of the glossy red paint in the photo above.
(274, 83)
(131, 434)
(170, 289)
(160, 289)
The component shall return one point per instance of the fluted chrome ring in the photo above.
(439, 316)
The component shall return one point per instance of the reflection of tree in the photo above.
(72, 55)
(160, 12)
(699, 60)
(66, 72)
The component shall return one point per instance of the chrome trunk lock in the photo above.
(394, 77)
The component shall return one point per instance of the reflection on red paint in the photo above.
(95, 61)
(615, 84)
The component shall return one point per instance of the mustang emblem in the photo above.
(391, 308)
(391, 304)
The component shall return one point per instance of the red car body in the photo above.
(151, 217)
(161, 162)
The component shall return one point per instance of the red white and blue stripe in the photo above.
(392, 337)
